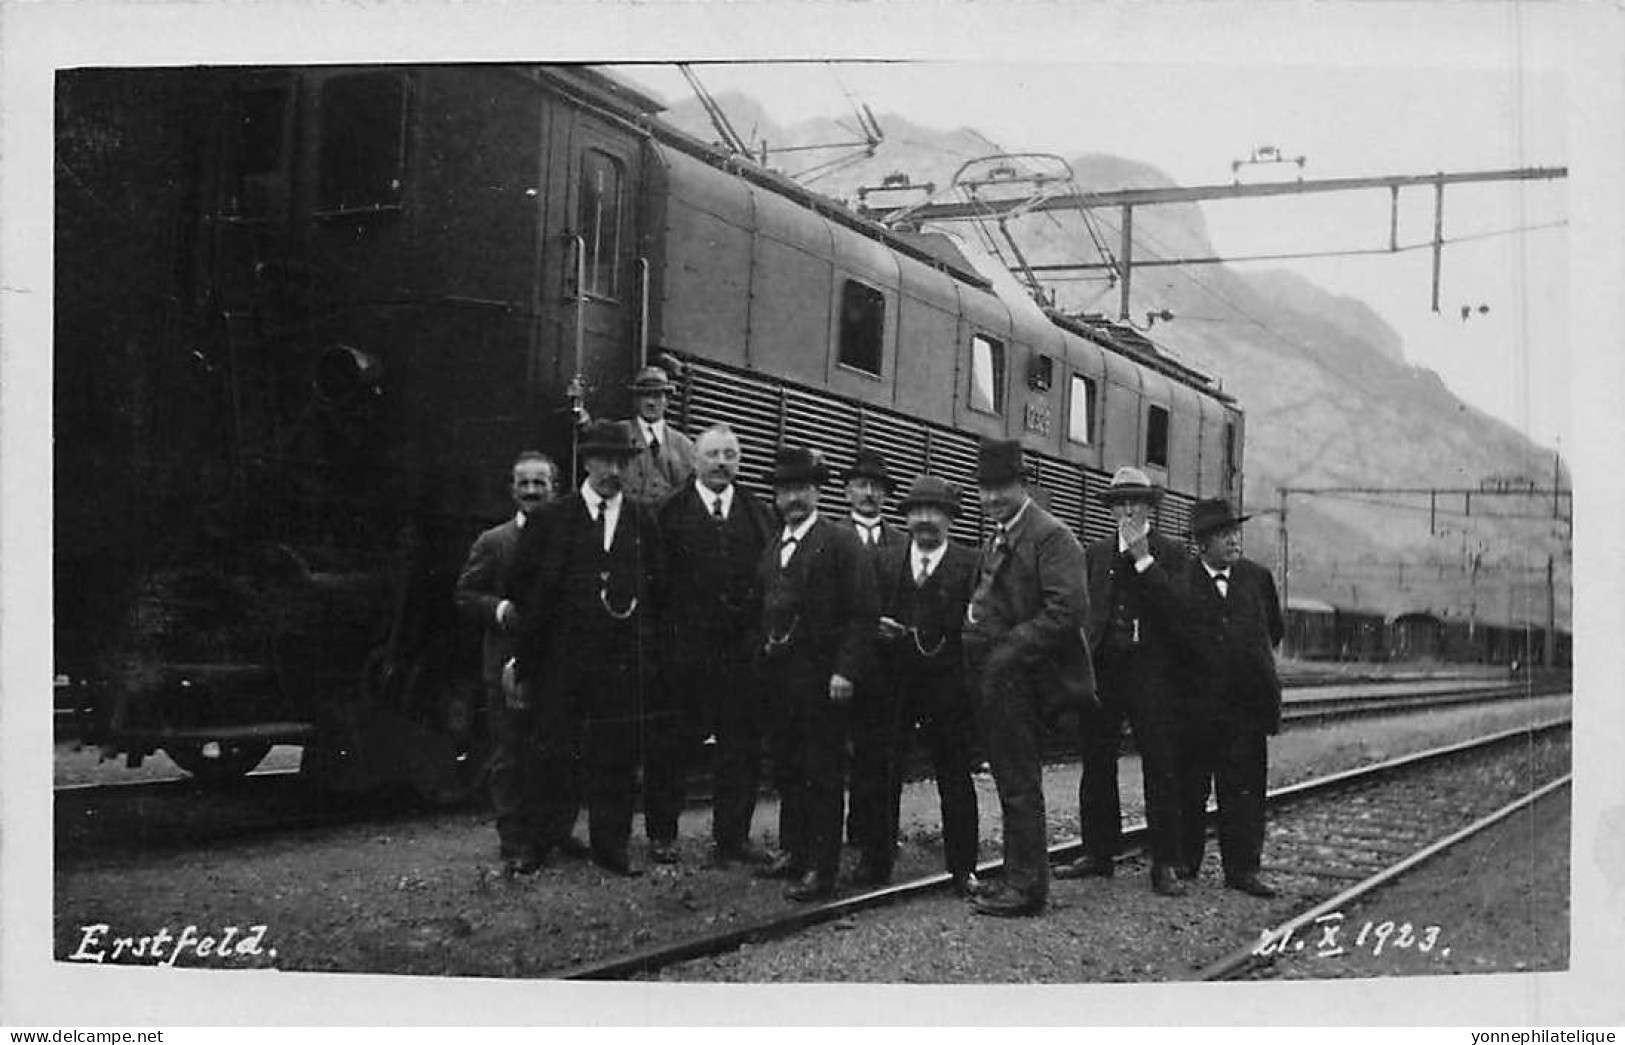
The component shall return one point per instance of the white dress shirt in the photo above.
(709, 498)
(597, 505)
(794, 535)
(868, 529)
(928, 561)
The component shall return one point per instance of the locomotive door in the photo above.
(594, 245)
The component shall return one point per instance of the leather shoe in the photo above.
(1164, 883)
(969, 886)
(1087, 867)
(574, 848)
(811, 886)
(744, 852)
(664, 853)
(782, 866)
(1006, 904)
(615, 863)
(1251, 884)
(526, 863)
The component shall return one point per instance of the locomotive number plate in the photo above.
(1038, 418)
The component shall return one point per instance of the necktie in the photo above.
(716, 510)
(603, 525)
(654, 443)
(787, 548)
(1222, 582)
(922, 570)
(871, 533)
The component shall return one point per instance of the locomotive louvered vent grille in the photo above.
(1097, 523)
(1064, 481)
(760, 411)
(1174, 517)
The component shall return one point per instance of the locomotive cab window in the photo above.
(986, 375)
(599, 219)
(363, 143)
(1156, 436)
(1081, 411)
(863, 327)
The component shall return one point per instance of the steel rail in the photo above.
(1244, 957)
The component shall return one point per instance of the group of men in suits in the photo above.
(660, 610)
(1183, 649)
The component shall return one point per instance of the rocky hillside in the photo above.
(1330, 398)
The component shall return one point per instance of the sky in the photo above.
(1191, 119)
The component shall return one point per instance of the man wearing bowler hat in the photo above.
(1023, 646)
(662, 458)
(1235, 625)
(588, 576)
(874, 713)
(925, 585)
(1140, 648)
(815, 644)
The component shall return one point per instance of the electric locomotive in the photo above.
(306, 316)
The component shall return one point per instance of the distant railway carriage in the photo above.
(306, 317)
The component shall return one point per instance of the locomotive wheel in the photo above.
(456, 712)
(219, 762)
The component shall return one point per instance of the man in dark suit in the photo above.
(714, 533)
(1024, 647)
(1235, 626)
(874, 709)
(925, 586)
(662, 460)
(1140, 649)
(479, 596)
(816, 640)
(586, 650)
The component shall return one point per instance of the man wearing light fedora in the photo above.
(1024, 649)
(925, 585)
(874, 712)
(662, 460)
(815, 645)
(588, 577)
(1138, 640)
(1235, 624)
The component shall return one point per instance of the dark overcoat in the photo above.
(481, 587)
(1235, 638)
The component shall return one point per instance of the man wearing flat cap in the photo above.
(815, 644)
(1235, 624)
(925, 585)
(874, 713)
(1140, 649)
(588, 577)
(662, 458)
(1024, 647)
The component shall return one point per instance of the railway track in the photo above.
(177, 812)
(1362, 826)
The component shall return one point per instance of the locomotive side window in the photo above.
(255, 150)
(863, 327)
(599, 219)
(986, 375)
(1156, 436)
(1229, 455)
(1081, 415)
(363, 143)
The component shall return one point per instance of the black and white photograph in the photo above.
(635, 513)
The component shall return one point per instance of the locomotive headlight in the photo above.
(346, 376)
